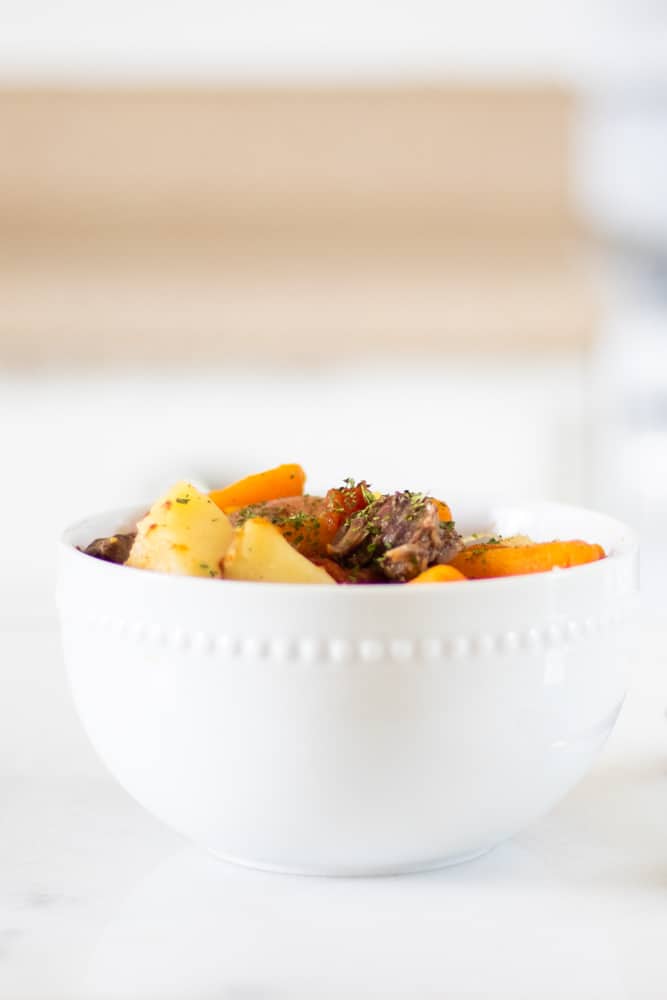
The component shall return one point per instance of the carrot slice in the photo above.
(273, 484)
(493, 559)
(444, 512)
(439, 574)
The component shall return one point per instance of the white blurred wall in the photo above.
(295, 39)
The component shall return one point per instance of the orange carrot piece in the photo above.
(232, 509)
(273, 484)
(493, 559)
(444, 512)
(439, 574)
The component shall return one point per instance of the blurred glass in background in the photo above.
(621, 187)
(418, 242)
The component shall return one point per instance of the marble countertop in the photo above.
(98, 900)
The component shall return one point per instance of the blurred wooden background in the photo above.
(286, 223)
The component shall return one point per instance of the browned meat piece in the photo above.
(115, 549)
(351, 536)
(303, 521)
(278, 511)
(405, 562)
(366, 574)
(401, 534)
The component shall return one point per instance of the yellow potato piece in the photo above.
(184, 533)
(259, 552)
(483, 538)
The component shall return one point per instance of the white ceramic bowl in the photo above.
(351, 730)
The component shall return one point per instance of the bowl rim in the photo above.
(625, 549)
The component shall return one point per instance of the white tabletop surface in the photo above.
(97, 899)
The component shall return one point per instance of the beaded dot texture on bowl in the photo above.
(371, 649)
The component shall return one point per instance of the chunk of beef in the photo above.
(342, 574)
(115, 549)
(401, 534)
(279, 511)
(301, 520)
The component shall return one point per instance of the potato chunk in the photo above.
(259, 552)
(184, 533)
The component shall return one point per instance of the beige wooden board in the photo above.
(277, 223)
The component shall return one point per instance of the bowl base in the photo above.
(352, 871)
